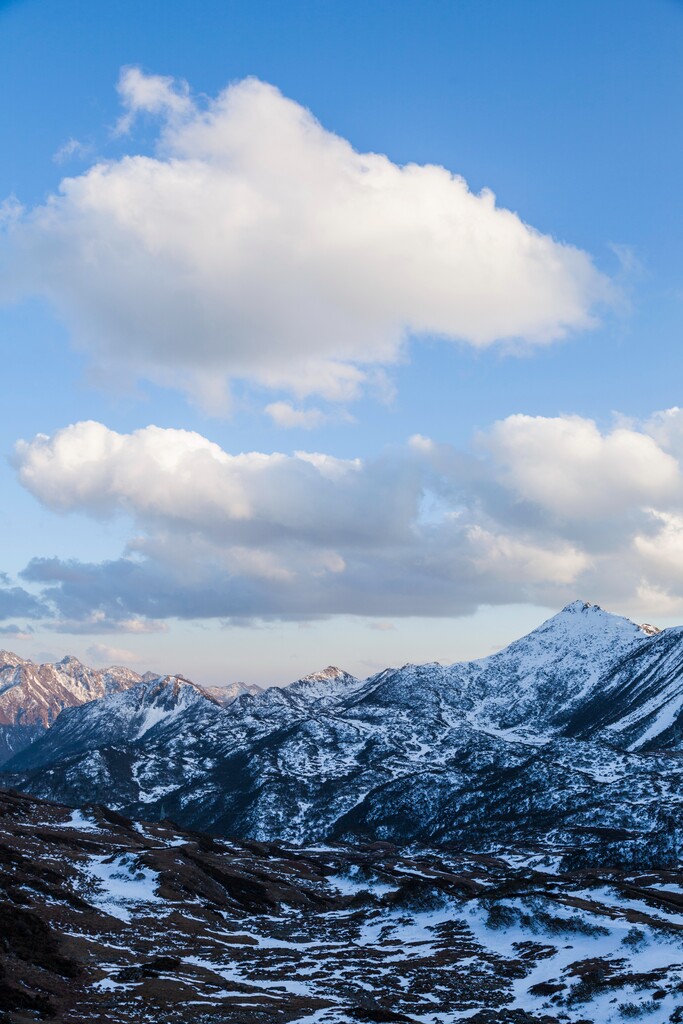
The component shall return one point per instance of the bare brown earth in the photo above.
(102, 920)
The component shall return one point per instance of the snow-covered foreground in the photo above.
(132, 922)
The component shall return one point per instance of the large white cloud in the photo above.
(545, 510)
(256, 245)
(184, 481)
(567, 465)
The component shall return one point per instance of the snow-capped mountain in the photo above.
(227, 694)
(143, 712)
(32, 695)
(571, 730)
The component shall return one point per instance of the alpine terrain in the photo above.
(496, 841)
(106, 919)
(32, 696)
(570, 734)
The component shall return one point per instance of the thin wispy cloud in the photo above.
(284, 414)
(103, 654)
(72, 149)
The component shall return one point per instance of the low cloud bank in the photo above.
(539, 510)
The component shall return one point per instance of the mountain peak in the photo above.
(173, 685)
(229, 692)
(69, 660)
(9, 658)
(585, 607)
(585, 624)
(575, 607)
(331, 672)
(585, 616)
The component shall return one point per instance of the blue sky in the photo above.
(568, 113)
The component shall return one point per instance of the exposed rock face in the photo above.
(32, 696)
(104, 919)
(571, 730)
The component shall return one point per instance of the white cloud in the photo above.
(183, 480)
(423, 529)
(283, 414)
(565, 464)
(151, 94)
(258, 246)
(524, 561)
(666, 427)
(662, 552)
(658, 601)
(421, 443)
(105, 655)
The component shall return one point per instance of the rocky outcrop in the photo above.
(32, 696)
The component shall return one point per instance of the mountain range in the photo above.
(33, 695)
(571, 733)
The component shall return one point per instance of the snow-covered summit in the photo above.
(546, 674)
(69, 661)
(32, 694)
(142, 710)
(325, 685)
(551, 732)
(226, 694)
(9, 658)
(331, 672)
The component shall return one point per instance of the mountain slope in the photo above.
(32, 696)
(107, 919)
(555, 734)
(164, 745)
(639, 704)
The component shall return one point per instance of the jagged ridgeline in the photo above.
(571, 736)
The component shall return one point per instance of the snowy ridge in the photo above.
(573, 727)
(32, 696)
(227, 694)
(144, 710)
